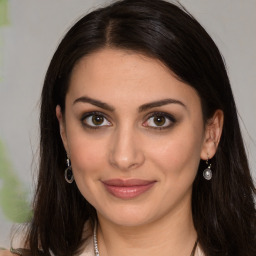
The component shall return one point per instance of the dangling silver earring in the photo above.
(207, 173)
(68, 173)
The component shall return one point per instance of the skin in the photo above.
(129, 144)
(5, 253)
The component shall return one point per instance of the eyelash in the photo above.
(160, 114)
(90, 114)
(154, 114)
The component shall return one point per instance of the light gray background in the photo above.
(35, 29)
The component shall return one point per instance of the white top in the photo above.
(88, 246)
(89, 249)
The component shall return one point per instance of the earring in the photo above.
(207, 173)
(68, 173)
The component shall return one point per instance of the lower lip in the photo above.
(128, 192)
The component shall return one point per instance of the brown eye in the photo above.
(159, 120)
(95, 120)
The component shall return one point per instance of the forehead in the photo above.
(121, 76)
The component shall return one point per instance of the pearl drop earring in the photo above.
(207, 173)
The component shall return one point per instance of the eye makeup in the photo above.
(159, 120)
(155, 120)
(95, 120)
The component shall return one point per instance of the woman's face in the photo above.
(134, 134)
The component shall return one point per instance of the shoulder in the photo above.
(88, 247)
(5, 253)
(199, 251)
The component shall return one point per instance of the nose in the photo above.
(126, 150)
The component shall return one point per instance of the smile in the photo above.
(127, 189)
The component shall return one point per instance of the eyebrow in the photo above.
(160, 103)
(94, 102)
(142, 108)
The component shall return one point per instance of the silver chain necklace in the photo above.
(96, 249)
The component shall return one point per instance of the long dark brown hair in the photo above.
(223, 209)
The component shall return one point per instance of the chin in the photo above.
(128, 216)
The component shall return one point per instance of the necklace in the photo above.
(95, 240)
(96, 249)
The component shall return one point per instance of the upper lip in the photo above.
(127, 183)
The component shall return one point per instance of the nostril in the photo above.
(124, 162)
(125, 150)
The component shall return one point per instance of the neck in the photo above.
(170, 235)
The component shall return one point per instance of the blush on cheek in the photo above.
(177, 158)
(82, 151)
(87, 161)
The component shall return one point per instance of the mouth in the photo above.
(127, 189)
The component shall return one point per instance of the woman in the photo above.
(141, 150)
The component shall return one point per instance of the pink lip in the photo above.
(127, 189)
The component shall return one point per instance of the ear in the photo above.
(213, 131)
(62, 126)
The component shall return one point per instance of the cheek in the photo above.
(178, 156)
(86, 157)
(88, 162)
(87, 153)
